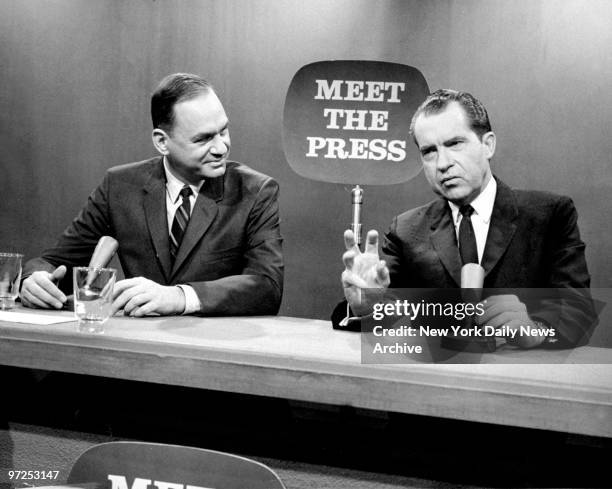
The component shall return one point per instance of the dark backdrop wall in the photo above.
(76, 75)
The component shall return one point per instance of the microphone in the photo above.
(472, 278)
(357, 200)
(102, 255)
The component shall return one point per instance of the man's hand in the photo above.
(39, 290)
(140, 297)
(363, 270)
(509, 311)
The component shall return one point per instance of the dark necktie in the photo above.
(467, 238)
(181, 218)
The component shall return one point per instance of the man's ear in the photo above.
(160, 140)
(489, 140)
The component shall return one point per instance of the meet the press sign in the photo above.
(348, 121)
(376, 121)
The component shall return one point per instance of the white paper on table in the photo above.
(24, 317)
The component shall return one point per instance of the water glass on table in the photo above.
(10, 278)
(93, 297)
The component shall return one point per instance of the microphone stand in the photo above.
(356, 200)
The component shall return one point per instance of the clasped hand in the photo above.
(508, 312)
(362, 271)
(136, 296)
(139, 296)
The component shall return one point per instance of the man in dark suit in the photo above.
(522, 239)
(197, 233)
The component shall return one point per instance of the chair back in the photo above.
(137, 465)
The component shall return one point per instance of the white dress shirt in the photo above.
(173, 202)
(481, 218)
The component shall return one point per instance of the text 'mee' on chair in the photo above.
(137, 465)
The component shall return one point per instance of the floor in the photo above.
(309, 445)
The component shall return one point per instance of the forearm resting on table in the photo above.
(238, 295)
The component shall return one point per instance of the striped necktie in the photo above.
(181, 218)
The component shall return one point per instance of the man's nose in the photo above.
(445, 160)
(220, 145)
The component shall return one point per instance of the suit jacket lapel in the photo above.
(156, 216)
(501, 228)
(202, 216)
(444, 240)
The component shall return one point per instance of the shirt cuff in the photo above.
(192, 302)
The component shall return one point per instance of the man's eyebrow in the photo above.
(427, 148)
(456, 139)
(209, 134)
(203, 135)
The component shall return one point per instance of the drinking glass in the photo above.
(93, 297)
(10, 278)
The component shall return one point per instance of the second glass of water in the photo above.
(10, 278)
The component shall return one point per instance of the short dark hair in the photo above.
(171, 90)
(438, 101)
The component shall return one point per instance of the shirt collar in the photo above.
(174, 185)
(482, 204)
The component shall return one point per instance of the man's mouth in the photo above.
(448, 180)
(216, 164)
